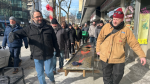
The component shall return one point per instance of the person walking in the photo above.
(61, 40)
(91, 31)
(86, 29)
(67, 44)
(98, 29)
(78, 36)
(43, 41)
(110, 46)
(14, 47)
(72, 35)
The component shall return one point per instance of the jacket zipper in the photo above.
(42, 42)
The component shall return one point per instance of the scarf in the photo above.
(38, 25)
(120, 26)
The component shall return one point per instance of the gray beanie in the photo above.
(12, 18)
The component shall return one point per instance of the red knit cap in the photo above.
(117, 15)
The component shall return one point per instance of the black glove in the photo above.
(58, 53)
(12, 36)
(26, 47)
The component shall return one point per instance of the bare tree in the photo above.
(46, 14)
(59, 5)
(66, 3)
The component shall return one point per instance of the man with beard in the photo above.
(67, 43)
(43, 41)
(86, 29)
(14, 47)
(92, 33)
(72, 36)
(98, 29)
(61, 40)
(111, 48)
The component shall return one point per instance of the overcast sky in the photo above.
(74, 6)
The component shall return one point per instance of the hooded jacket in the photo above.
(112, 49)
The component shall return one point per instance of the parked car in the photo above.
(4, 57)
(2, 27)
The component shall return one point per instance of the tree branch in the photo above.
(62, 8)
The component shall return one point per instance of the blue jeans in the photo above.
(39, 65)
(61, 60)
(93, 40)
(15, 52)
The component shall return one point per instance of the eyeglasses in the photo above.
(38, 17)
(119, 12)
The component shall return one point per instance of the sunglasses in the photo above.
(119, 12)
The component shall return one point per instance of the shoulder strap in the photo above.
(113, 31)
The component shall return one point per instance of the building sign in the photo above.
(143, 28)
(79, 16)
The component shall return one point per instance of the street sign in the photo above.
(79, 16)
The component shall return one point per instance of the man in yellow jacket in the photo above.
(111, 49)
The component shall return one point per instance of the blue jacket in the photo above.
(16, 43)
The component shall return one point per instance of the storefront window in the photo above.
(129, 13)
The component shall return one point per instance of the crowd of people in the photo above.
(49, 41)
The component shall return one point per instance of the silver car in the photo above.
(4, 57)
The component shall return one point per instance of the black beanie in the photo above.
(101, 21)
(54, 21)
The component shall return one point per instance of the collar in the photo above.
(120, 26)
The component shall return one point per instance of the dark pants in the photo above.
(72, 51)
(84, 40)
(112, 73)
(93, 40)
(14, 53)
(66, 52)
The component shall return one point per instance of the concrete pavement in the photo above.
(135, 73)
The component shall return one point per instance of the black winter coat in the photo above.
(72, 35)
(62, 37)
(42, 40)
(78, 35)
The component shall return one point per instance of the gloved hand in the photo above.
(12, 36)
(26, 47)
(4, 47)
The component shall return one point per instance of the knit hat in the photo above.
(12, 18)
(54, 21)
(69, 25)
(118, 13)
(101, 21)
(75, 25)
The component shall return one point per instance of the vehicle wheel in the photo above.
(11, 62)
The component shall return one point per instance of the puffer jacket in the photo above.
(16, 43)
(112, 49)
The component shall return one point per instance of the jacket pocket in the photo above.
(118, 48)
(104, 47)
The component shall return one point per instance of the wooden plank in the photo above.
(66, 72)
(83, 73)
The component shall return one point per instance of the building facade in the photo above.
(16, 8)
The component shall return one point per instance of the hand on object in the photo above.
(98, 53)
(143, 61)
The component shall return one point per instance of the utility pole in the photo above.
(51, 11)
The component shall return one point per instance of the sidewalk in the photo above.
(135, 73)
